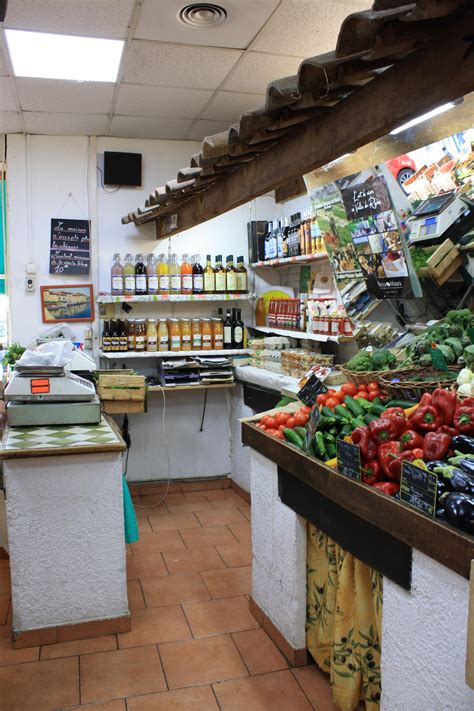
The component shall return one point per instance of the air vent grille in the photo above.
(201, 15)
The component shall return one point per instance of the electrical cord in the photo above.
(115, 190)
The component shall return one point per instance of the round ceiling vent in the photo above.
(202, 15)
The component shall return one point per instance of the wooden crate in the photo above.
(122, 393)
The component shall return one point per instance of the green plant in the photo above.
(12, 353)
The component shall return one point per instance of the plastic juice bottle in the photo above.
(175, 275)
(116, 276)
(151, 336)
(220, 275)
(198, 275)
(209, 277)
(152, 274)
(163, 275)
(186, 275)
(129, 275)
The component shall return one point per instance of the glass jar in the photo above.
(174, 332)
(151, 336)
(163, 336)
(196, 338)
(140, 335)
(206, 334)
(217, 334)
(185, 328)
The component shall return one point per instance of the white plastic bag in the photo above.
(56, 353)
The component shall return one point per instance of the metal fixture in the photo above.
(201, 15)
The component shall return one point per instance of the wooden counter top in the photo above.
(59, 440)
(440, 541)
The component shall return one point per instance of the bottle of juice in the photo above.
(129, 275)
(116, 276)
(198, 275)
(231, 275)
(220, 275)
(175, 275)
(186, 336)
(140, 335)
(152, 274)
(151, 336)
(196, 343)
(163, 337)
(140, 275)
(163, 274)
(209, 277)
(186, 275)
(174, 331)
(206, 334)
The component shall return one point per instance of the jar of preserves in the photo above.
(151, 336)
(217, 334)
(174, 332)
(185, 328)
(140, 335)
(206, 334)
(163, 336)
(196, 338)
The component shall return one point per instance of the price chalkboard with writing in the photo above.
(348, 459)
(418, 488)
(310, 390)
(70, 247)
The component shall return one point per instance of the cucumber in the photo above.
(301, 431)
(377, 409)
(346, 430)
(327, 412)
(357, 422)
(369, 418)
(356, 409)
(311, 450)
(377, 401)
(405, 404)
(331, 450)
(365, 404)
(326, 423)
(293, 437)
(319, 446)
(342, 411)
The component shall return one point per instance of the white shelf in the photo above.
(288, 261)
(173, 354)
(173, 298)
(171, 388)
(300, 334)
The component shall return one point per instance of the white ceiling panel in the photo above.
(162, 64)
(204, 128)
(305, 28)
(159, 21)
(256, 71)
(146, 127)
(89, 18)
(65, 96)
(7, 97)
(228, 105)
(139, 100)
(65, 124)
(10, 122)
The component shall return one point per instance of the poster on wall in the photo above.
(67, 303)
(70, 247)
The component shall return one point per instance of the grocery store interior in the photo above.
(237, 345)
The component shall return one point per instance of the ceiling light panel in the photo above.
(47, 56)
(161, 21)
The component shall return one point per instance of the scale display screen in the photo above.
(429, 227)
(433, 204)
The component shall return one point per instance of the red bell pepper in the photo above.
(397, 416)
(425, 399)
(445, 402)
(361, 437)
(383, 430)
(425, 418)
(411, 440)
(387, 453)
(448, 430)
(372, 472)
(436, 445)
(464, 419)
(387, 487)
(395, 466)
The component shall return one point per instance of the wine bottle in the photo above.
(228, 331)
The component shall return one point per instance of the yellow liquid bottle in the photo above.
(129, 275)
(163, 274)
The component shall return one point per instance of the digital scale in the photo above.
(434, 216)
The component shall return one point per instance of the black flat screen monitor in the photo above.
(122, 168)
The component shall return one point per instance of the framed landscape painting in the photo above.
(67, 303)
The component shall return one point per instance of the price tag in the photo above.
(310, 390)
(348, 459)
(418, 488)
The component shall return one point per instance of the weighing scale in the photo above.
(434, 216)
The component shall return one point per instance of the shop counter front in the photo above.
(64, 511)
(425, 565)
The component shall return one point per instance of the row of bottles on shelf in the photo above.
(292, 237)
(163, 275)
(306, 315)
(172, 334)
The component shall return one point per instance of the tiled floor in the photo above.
(194, 646)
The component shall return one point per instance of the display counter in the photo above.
(64, 510)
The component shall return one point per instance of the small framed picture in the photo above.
(67, 303)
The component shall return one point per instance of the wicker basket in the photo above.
(408, 389)
(362, 377)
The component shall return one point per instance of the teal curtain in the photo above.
(130, 518)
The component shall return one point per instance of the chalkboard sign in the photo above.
(310, 390)
(418, 488)
(70, 247)
(348, 459)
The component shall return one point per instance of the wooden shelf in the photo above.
(289, 261)
(170, 298)
(172, 388)
(302, 334)
(173, 354)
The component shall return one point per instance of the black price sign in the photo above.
(310, 390)
(70, 251)
(348, 459)
(418, 488)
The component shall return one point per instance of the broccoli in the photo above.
(361, 361)
(383, 359)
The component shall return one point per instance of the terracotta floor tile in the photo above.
(236, 554)
(198, 504)
(241, 531)
(205, 485)
(246, 511)
(215, 495)
(199, 698)
(206, 537)
(198, 493)
(144, 525)
(42, 686)
(155, 625)
(201, 661)
(158, 542)
(117, 705)
(193, 561)
(230, 582)
(174, 589)
(79, 646)
(219, 616)
(278, 690)
(231, 500)
(4, 605)
(128, 549)
(5, 577)
(121, 673)
(171, 522)
(15, 656)
(150, 506)
(174, 497)
(221, 517)
(258, 651)
(159, 488)
(136, 600)
(315, 684)
(146, 566)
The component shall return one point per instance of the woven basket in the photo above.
(408, 389)
(362, 377)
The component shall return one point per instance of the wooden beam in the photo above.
(290, 190)
(418, 83)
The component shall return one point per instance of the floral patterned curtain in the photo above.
(344, 621)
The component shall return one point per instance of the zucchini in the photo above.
(311, 450)
(369, 418)
(301, 431)
(366, 404)
(377, 409)
(293, 437)
(326, 423)
(357, 422)
(405, 404)
(331, 449)
(342, 411)
(319, 446)
(327, 412)
(346, 430)
(356, 409)
(377, 401)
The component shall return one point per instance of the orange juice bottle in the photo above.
(186, 275)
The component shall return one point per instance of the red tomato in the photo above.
(272, 432)
(339, 395)
(264, 420)
(349, 389)
(301, 419)
(332, 402)
(362, 394)
(373, 395)
(306, 409)
(290, 423)
(281, 427)
(262, 427)
(279, 434)
(321, 399)
(372, 386)
(272, 423)
(331, 392)
(282, 417)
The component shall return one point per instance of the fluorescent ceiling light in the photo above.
(48, 56)
(423, 117)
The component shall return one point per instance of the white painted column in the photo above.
(66, 539)
(240, 455)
